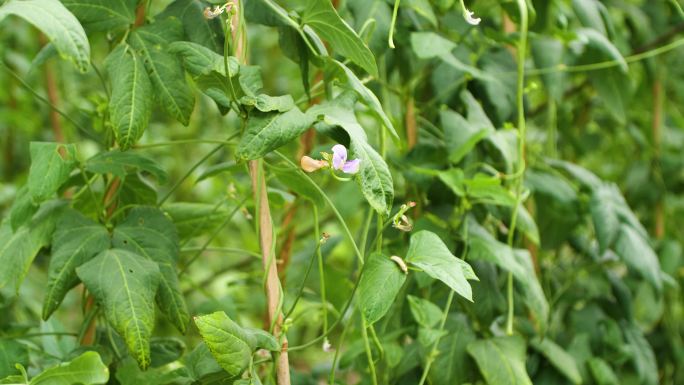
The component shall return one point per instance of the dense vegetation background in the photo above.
(174, 212)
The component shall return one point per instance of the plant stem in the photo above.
(183, 141)
(369, 353)
(321, 271)
(390, 38)
(522, 48)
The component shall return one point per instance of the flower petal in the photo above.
(352, 167)
(339, 156)
(310, 165)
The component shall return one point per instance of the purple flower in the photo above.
(339, 160)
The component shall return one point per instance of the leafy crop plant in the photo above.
(361, 192)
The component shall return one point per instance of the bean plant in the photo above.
(341, 192)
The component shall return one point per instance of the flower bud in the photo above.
(310, 164)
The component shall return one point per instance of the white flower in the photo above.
(468, 16)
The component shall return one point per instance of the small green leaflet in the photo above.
(198, 29)
(380, 283)
(501, 360)
(266, 103)
(125, 284)
(171, 90)
(638, 255)
(322, 17)
(121, 163)
(426, 313)
(19, 247)
(199, 60)
(51, 164)
(428, 252)
(266, 132)
(76, 240)
(103, 15)
(131, 101)
(147, 232)
(230, 344)
(55, 21)
(559, 358)
(86, 369)
(12, 352)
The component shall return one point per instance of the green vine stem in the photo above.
(321, 272)
(369, 352)
(522, 131)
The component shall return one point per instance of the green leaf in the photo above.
(429, 45)
(428, 252)
(201, 364)
(266, 132)
(250, 80)
(122, 163)
(86, 369)
(125, 284)
(266, 103)
(55, 21)
(171, 90)
(136, 191)
(374, 175)
(76, 240)
(589, 14)
(198, 29)
(559, 358)
(483, 246)
(23, 208)
(199, 60)
(322, 17)
(367, 96)
(128, 372)
(422, 8)
(164, 350)
(268, 12)
(380, 283)
(533, 294)
(426, 313)
(501, 360)
(451, 366)
(230, 344)
(460, 136)
(643, 357)
(527, 224)
(51, 164)
(638, 255)
(480, 189)
(602, 373)
(548, 52)
(131, 101)
(103, 15)
(146, 231)
(12, 352)
(604, 215)
(18, 248)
